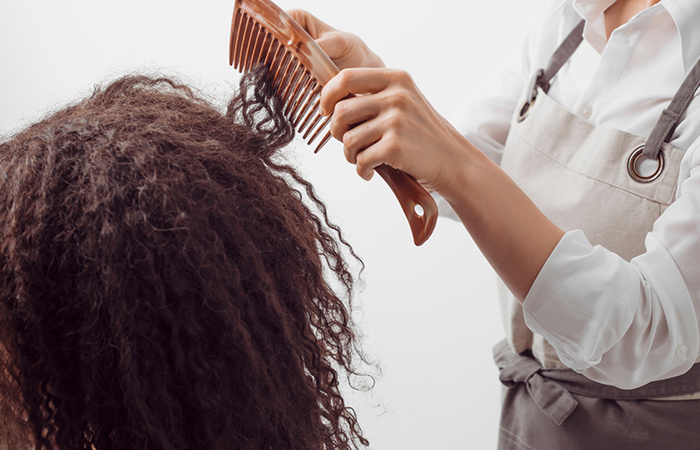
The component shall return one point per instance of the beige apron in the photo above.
(585, 177)
(597, 189)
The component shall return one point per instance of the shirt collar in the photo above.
(591, 9)
(685, 14)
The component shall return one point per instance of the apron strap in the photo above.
(665, 126)
(671, 116)
(552, 389)
(561, 55)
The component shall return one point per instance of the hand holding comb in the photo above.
(261, 33)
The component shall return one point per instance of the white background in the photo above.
(428, 315)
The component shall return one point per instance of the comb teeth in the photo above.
(281, 72)
(236, 37)
(316, 119)
(313, 112)
(245, 39)
(320, 128)
(264, 39)
(278, 53)
(310, 98)
(292, 83)
(250, 48)
(298, 90)
(298, 101)
(323, 142)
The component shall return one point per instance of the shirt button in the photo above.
(585, 111)
(682, 351)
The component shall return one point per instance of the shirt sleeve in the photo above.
(626, 323)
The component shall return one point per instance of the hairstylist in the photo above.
(578, 177)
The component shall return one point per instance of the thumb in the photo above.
(335, 45)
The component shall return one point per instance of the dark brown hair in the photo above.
(162, 280)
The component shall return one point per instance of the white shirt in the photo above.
(617, 322)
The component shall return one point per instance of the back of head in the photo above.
(162, 282)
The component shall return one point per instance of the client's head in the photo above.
(162, 281)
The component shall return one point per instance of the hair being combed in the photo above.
(162, 281)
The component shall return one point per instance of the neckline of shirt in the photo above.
(684, 13)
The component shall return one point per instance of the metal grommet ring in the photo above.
(634, 172)
(525, 109)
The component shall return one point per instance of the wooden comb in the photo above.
(261, 33)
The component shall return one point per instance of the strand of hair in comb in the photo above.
(298, 89)
(261, 33)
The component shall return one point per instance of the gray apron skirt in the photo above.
(601, 190)
(560, 409)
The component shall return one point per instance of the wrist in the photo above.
(461, 177)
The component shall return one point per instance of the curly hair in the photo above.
(164, 284)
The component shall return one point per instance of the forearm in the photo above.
(513, 234)
(394, 124)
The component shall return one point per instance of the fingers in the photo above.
(374, 156)
(375, 142)
(360, 138)
(345, 49)
(386, 124)
(333, 42)
(314, 26)
(355, 82)
(351, 112)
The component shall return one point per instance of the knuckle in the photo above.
(393, 121)
(399, 99)
(337, 130)
(345, 39)
(349, 139)
(392, 145)
(349, 155)
(345, 76)
(341, 108)
(402, 78)
(362, 164)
